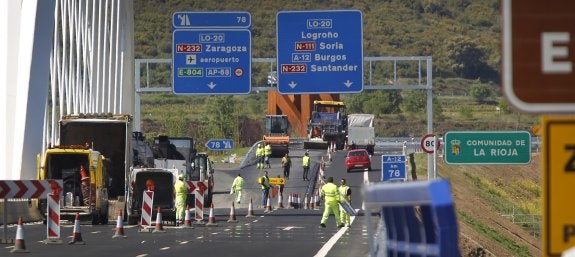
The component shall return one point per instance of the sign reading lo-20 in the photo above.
(319, 52)
(211, 53)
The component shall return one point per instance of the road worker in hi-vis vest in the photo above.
(260, 156)
(181, 195)
(330, 194)
(344, 193)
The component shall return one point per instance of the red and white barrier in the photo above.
(147, 203)
(28, 189)
(53, 219)
(198, 188)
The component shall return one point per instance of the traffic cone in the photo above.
(211, 218)
(232, 214)
(305, 203)
(280, 202)
(312, 202)
(345, 145)
(19, 244)
(329, 157)
(268, 205)
(77, 235)
(187, 219)
(290, 201)
(159, 228)
(250, 210)
(119, 226)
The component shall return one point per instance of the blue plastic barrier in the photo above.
(417, 219)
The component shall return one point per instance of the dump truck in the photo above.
(106, 136)
(84, 175)
(276, 134)
(327, 125)
(361, 133)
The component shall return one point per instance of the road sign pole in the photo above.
(434, 170)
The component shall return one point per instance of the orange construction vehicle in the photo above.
(276, 134)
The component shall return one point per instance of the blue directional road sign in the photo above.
(214, 61)
(393, 167)
(320, 52)
(220, 144)
(211, 19)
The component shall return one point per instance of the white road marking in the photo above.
(331, 242)
(142, 255)
(184, 242)
(164, 248)
(290, 228)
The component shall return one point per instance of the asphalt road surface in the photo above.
(281, 232)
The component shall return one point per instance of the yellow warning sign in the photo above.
(277, 181)
(558, 184)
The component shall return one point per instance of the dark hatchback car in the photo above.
(357, 159)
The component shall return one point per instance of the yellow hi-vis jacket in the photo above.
(344, 192)
(238, 184)
(268, 150)
(180, 189)
(305, 161)
(265, 182)
(330, 192)
(260, 151)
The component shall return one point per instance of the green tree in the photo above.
(480, 92)
(376, 102)
(223, 117)
(415, 101)
(465, 57)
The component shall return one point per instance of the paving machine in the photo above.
(328, 124)
(276, 134)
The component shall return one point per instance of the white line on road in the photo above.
(164, 248)
(331, 242)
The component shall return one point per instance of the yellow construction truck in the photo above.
(276, 134)
(100, 144)
(327, 125)
(83, 172)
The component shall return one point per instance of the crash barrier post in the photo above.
(29, 189)
(198, 188)
(417, 218)
(53, 219)
(147, 203)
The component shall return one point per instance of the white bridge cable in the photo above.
(86, 61)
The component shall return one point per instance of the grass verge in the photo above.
(518, 250)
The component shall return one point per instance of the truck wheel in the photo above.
(132, 219)
(95, 218)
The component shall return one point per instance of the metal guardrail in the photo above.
(412, 144)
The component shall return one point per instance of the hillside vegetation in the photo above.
(462, 37)
(498, 206)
